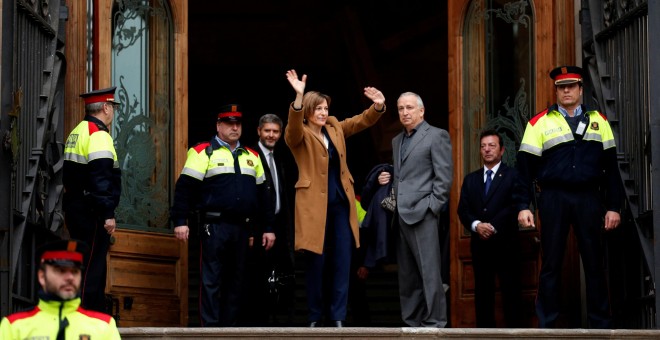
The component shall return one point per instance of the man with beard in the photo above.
(58, 314)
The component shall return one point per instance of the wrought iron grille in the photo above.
(32, 141)
(615, 51)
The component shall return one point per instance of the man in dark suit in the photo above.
(487, 211)
(422, 180)
(271, 275)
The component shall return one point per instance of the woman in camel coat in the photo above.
(325, 215)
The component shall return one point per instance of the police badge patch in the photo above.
(85, 337)
(594, 126)
(250, 163)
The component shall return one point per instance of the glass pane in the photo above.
(498, 74)
(141, 67)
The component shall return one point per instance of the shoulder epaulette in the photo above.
(94, 314)
(199, 147)
(538, 116)
(22, 315)
(252, 150)
(94, 127)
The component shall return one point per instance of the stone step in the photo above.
(148, 333)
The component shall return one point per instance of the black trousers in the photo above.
(268, 297)
(83, 224)
(497, 257)
(559, 210)
(223, 257)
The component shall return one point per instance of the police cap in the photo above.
(230, 113)
(63, 253)
(564, 75)
(100, 96)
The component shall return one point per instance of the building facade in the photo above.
(484, 63)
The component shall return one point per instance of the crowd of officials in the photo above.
(566, 168)
(566, 153)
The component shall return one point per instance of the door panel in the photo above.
(144, 279)
(141, 48)
(500, 53)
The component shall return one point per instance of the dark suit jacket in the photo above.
(499, 255)
(496, 208)
(284, 219)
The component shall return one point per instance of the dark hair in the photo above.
(491, 132)
(270, 118)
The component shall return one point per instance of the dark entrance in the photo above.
(239, 53)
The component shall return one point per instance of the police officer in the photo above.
(225, 181)
(92, 185)
(569, 150)
(58, 316)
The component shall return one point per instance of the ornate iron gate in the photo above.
(34, 73)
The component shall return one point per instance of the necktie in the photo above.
(489, 180)
(273, 174)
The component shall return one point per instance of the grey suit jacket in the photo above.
(423, 175)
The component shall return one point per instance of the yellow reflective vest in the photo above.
(554, 156)
(215, 179)
(44, 322)
(91, 170)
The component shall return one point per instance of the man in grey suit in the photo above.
(422, 180)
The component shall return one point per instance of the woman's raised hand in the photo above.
(297, 84)
(376, 96)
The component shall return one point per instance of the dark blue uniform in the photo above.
(574, 171)
(228, 190)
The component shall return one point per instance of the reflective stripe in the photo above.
(100, 154)
(261, 179)
(249, 171)
(593, 136)
(557, 140)
(220, 170)
(192, 173)
(530, 149)
(609, 144)
(75, 158)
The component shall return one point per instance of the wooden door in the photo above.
(141, 48)
(500, 54)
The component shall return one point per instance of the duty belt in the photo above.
(218, 216)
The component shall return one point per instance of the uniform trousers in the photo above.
(223, 258)
(558, 210)
(336, 262)
(85, 225)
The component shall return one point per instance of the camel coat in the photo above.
(312, 159)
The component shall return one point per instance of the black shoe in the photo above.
(315, 324)
(338, 323)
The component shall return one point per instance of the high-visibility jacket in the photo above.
(556, 157)
(214, 179)
(91, 170)
(46, 319)
(360, 211)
